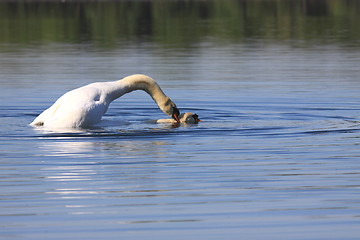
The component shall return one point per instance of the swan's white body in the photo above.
(85, 106)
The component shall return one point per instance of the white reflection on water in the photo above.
(93, 150)
(90, 158)
(71, 149)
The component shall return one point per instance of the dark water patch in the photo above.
(332, 131)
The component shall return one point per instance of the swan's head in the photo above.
(175, 113)
(189, 118)
(169, 107)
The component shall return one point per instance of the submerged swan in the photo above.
(188, 117)
(84, 106)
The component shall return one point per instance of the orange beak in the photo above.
(196, 117)
(176, 114)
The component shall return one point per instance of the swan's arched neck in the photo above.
(147, 84)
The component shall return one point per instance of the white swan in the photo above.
(188, 117)
(85, 106)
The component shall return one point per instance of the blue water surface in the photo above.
(276, 156)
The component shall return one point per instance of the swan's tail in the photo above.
(37, 121)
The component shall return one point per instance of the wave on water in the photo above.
(215, 123)
(209, 129)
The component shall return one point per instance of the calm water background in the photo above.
(276, 83)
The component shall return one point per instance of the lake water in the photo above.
(276, 156)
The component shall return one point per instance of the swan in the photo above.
(189, 118)
(85, 106)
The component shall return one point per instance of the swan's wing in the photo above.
(79, 107)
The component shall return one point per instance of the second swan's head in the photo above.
(189, 118)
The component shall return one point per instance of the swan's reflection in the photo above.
(74, 155)
(97, 150)
(87, 169)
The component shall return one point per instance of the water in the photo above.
(276, 157)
